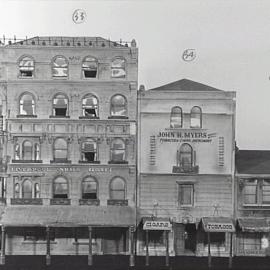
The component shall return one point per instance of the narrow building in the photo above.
(70, 127)
(186, 166)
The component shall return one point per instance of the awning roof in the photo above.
(218, 224)
(68, 216)
(254, 225)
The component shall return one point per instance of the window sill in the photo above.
(60, 161)
(59, 116)
(179, 169)
(26, 116)
(117, 202)
(59, 201)
(21, 201)
(89, 202)
(256, 205)
(117, 162)
(185, 207)
(26, 161)
(118, 117)
(89, 117)
(89, 162)
(38, 242)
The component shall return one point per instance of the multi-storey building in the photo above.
(69, 108)
(186, 141)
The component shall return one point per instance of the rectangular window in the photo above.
(156, 238)
(217, 239)
(250, 241)
(250, 191)
(185, 195)
(37, 234)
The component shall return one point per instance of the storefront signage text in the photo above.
(219, 227)
(157, 225)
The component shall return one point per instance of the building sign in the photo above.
(185, 136)
(219, 227)
(157, 225)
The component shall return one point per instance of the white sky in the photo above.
(231, 39)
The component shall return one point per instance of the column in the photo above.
(147, 248)
(209, 250)
(131, 239)
(167, 249)
(90, 251)
(48, 252)
(3, 246)
(231, 250)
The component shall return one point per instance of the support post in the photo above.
(209, 250)
(131, 237)
(167, 249)
(147, 248)
(3, 245)
(90, 251)
(231, 250)
(48, 245)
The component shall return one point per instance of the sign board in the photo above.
(219, 227)
(157, 225)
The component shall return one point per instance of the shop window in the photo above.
(256, 191)
(185, 195)
(250, 241)
(26, 67)
(27, 149)
(89, 188)
(185, 157)
(196, 117)
(90, 106)
(118, 68)
(60, 149)
(37, 234)
(176, 117)
(3, 187)
(60, 105)
(27, 189)
(17, 155)
(60, 67)
(60, 188)
(118, 106)
(36, 191)
(27, 105)
(89, 67)
(117, 189)
(17, 191)
(118, 151)
(217, 239)
(89, 150)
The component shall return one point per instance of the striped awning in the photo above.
(253, 225)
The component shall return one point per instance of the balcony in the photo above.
(117, 202)
(24, 201)
(186, 169)
(89, 202)
(60, 201)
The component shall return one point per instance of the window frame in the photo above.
(54, 185)
(54, 106)
(114, 67)
(96, 107)
(114, 161)
(174, 113)
(83, 68)
(24, 180)
(195, 113)
(124, 189)
(21, 104)
(64, 67)
(24, 152)
(20, 67)
(60, 160)
(192, 193)
(112, 106)
(82, 187)
(181, 153)
(96, 157)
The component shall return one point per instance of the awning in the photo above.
(156, 224)
(218, 224)
(68, 216)
(253, 225)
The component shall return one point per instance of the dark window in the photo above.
(90, 106)
(118, 150)
(89, 150)
(3, 187)
(60, 67)
(118, 68)
(89, 67)
(26, 67)
(156, 238)
(185, 157)
(60, 149)
(89, 188)
(118, 106)
(60, 188)
(27, 105)
(196, 117)
(117, 189)
(60, 105)
(186, 192)
(176, 117)
(216, 239)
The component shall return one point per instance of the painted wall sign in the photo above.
(219, 227)
(185, 136)
(157, 225)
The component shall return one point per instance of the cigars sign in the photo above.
(185, 136)
(157, 225)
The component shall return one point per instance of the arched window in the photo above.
(17, 191)
(36, 191)
(176, 117)
(26, 67)
(196, 117)
(117, 189)
(17, 154)
(60, 105)
(27, 105)
(89, 150)
(118, 150)
(90, 106)
(89, 67)
(27, 150)
(185, 157)
(118, 68)
(60, 187)
(60, 67)
(37, 152)
(118, 106)
(89, 188)
(60, 149)
(27, 189)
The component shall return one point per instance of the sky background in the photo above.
(231, 39)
